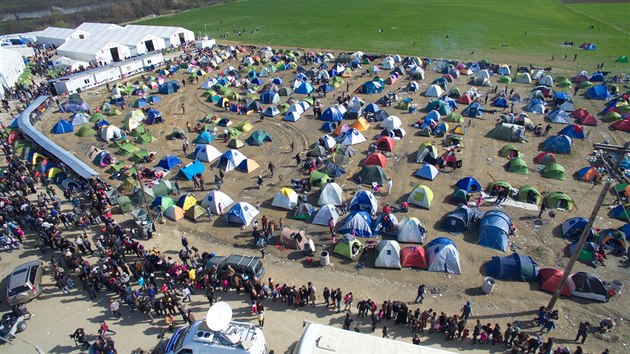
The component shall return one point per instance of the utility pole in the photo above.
(144, 197)
(621, 150)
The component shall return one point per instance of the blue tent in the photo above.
(597, 77)
(358, 223)
(101, 122)
(269, 97)
(560, 98)
(62, 127)
(474, 110)
(428, 172)
(154, 99)
(560, 144)
(513, 268)
(572, 228)
(333, 170)
(304, 89)
(169, 162)
(469, 184)
(332, 114)
(494, 230)
(241, 213)
(621, 212)
(152, 115)
(257, 81)
(443, 256)
(372, 87)
(500, 102)
(168, 88)
(626, 230)
(327, 127)
(573, 131)
(364, 200)
(325, 88)
(192, 169)
(558, 116)
(14, 124)
(371, 108)
(277, 81)
(458, 220)
(205, 137)
(599, 92)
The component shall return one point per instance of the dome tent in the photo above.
(469, 184)
(443, 256)
(206, 153)
(324, 214)
(550, 279)
(413, 257)
(348, 247)
(286, 198)
(293, 239)
(241, 213)
(364, 200)
(494, 230)
(458, 220)
(358, 223)
(304, 211)
(387, 255)
(230, 160)
(512, 268)
(421, 196)
(410, 230)
(587, 286)
(559, 200)
(330, 193)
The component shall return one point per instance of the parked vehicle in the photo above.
(244, 266)
(10, 324)
(25, 283)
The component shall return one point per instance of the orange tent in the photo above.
(361, 125)
(549, 280)
(340, 128)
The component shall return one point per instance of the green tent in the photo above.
(113, 168)
(235, 143)
(621, 187)
(145, 138)
(234, 133)
(140, 154)
(585, 84)
(126, 149)
(587, 253)
(348, 247)
(452, 140)
(454, 117)
(244, 126)
(195, 212)
(529, 194)
(505, 79)
(509, 148)
(458, 197)
(163, 202)
(555, 171)
(371, 174)
(283, 107)
(86, 131)
(129, 184)
(518, 165)
(164, 187)
(96, 117)
(559, 200)
(207, 93)
(258, 138)
(318, 178)
(611, 116)
(622, 59)
(114, 112)
(503, 184)
(564, 83)
(454, 93)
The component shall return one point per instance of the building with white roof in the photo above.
(97, 49)
(57, 36)
(11, 67)
(95, 27)
(173, 36)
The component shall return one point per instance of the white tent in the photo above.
(443, 256)
(410, 230)
(297, 108)
(434, 91)
(523, 78)
(330, 193)
(545, 80)
(387, 254)
(206, 153)
(328, 141)
(504, 70)
(171, 35)
(324, 214)
(57, 36)
(388, 63)
(217, 201)
(323, 75)
(80, 118)
(351, 137)
(291, 117)
(286, 198)
(417, 73)
(111, 132)
(11, 67)
(391, 123)
(241, 213)
(230, 160)
(209, 83)
(485, 74)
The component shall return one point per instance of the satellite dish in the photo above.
(219, 316)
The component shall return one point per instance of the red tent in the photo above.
(413, 257)
(385, 143)
(549, 280)
(545, 158)
(465, 99)
(588, 119)
(375, 159)
(580, 112)
(623, 125)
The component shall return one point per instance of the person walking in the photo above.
(292, 146)
(271, 168)
(183, 106)
(385, 332)
(543, 207)
(338, 298)
(105, 328)
(390, 185)
(583, 330)
(114, 307)
(467, 311)
(421, 291)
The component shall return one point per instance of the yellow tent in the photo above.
(54, 171)
(361, 124)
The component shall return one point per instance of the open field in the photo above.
(514, 31)
(35, 5)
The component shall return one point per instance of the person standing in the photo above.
(385, 332)
(209, 211)
(114, 307)
(421, 291)
(543, 207)
(390, 185)
(292, 146)
(185, 243)
(271, 168)
(261, 318)
(476, 332)
(338, 298)
(547, 129)
(467, 311)
(183, 106)
(326, 295)
(583, 331)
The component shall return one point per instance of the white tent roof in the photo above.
(159, 31)
(57, 32)
(11, 65)
(90, 46)
(387, 254)
(94, 28)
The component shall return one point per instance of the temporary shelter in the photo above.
(387, 254)
(324, 214)
(348, 247)
(413, 257)
(421, 196)
(469, 184)
(588, 174)
(293, 239)
(230, 160)
(443, 256)
(385, 143)
(550, 279)
(304, 211)
(621, 212)
(545, 158)
(458, 220)
(169, 162)
(375, 158)
(529, 194)
(427, 152)
(174, 213)
(330, 193)
(205, 137)
(573, 131)
(509, 151)
(258, 138)
(361, 124)
(512, 268)
(286, 198)
(588, 286)
(558, 116)
(217, 201)
(518, 165)
(364, 200)
(536, 106)
(350, 137)
(168, 87)
(206, 153)
(195, 212)
(62, 127)
(554, 171)
(371, 174)
(614, 241)
(559, 144)
(508, 132)
(559, 200)
(271, 111)
(428, 172)
(186, 201)
(358, 223)
(474, 110)
(587, 253)
(410, 230)
(162, 202)
(332, 114)
(599, 92)
(622, 125)
(241, 213)
(494, 230)
(80, 118)
(434, 91)
(391, 122)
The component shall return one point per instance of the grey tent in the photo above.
(508, 132)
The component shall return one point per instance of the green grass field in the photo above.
(492, 29)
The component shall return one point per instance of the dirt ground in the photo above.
(510, 301)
